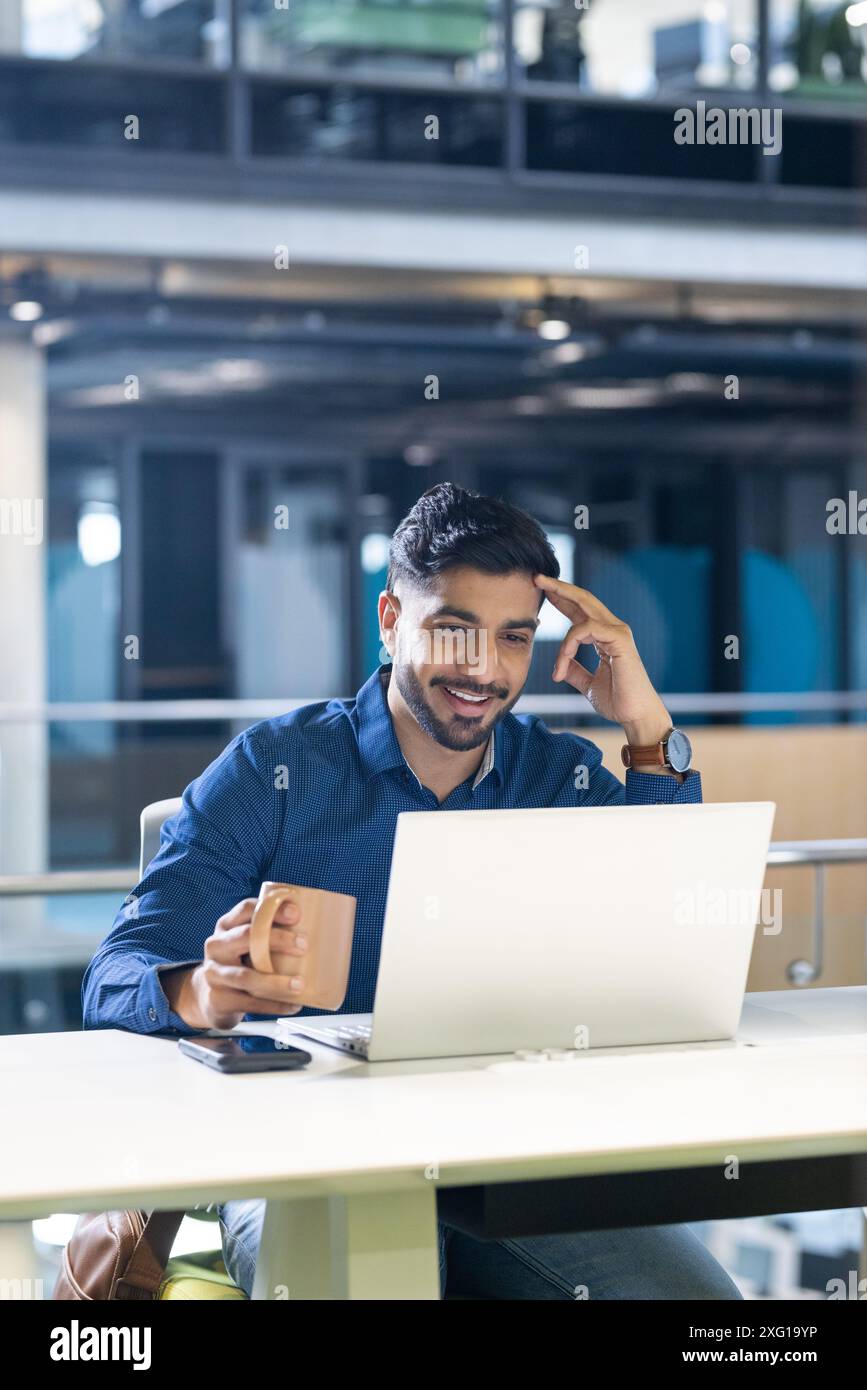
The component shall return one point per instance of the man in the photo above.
(313, 797)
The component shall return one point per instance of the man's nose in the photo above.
(479, 659)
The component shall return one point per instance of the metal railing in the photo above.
(203, 711)
(817, 854)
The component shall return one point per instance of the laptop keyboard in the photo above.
(356, 1037)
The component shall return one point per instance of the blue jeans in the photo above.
(645, 1262)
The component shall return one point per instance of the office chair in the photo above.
(151, 822)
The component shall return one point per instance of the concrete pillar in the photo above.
(11, 26)
(23, 746)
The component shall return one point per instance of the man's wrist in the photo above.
(649, 731)
(178, 985)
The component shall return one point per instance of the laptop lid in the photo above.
(568, 927)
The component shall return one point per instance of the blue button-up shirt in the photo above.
(313, 798)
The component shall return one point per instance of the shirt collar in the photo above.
(488, 760)
(377, 741)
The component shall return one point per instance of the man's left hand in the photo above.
(620, 688)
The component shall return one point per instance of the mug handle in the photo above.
(260, 928)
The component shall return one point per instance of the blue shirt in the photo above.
(313, 798)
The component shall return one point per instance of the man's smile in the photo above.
(468, 703)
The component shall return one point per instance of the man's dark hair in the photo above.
(449, 526)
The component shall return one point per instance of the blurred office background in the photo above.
(316, 257)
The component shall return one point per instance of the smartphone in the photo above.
(245, 1052)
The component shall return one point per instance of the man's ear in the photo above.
(389, 612)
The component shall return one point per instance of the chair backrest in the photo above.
(151, 821)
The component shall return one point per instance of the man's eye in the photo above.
(516, 637)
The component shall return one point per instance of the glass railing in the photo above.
(545, 89)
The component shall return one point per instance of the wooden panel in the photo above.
(818, 778)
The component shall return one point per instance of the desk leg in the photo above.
(376, 1246)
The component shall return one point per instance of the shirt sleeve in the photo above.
(657, 789)
(212, 854)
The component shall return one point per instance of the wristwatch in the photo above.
(674, 751)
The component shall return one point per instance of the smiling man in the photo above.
(458, 618)
(313, 798)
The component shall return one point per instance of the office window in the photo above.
(67, 105)
(584, 138)
(319, 124)
(856, 608)
(791, 582)
(82, 641)
(454, 39)
(629, 48)
(823, 153)
(164, 30)
(819, 50)
(289, 619)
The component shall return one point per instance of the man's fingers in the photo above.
(227, 1003)
(578, 676)
(288, 914)
(558, 589)
(229, 945)
(580, 635)
(285, 988)
(575, 637)
(604, 636)
(241, 912)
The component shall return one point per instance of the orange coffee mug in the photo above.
(328, 922)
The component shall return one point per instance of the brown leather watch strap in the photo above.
(652, 754)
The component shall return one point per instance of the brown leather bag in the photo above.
(117, 1254)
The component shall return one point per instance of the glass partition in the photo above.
(629, 48)
(455, 39)
(154, 30)
(819, 50)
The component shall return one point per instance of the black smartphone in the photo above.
(245, 1052)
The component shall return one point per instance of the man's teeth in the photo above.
(462, 695)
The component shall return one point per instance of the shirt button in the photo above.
(152, 1014)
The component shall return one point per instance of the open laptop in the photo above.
(561, 928)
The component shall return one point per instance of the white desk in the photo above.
(351, 1155)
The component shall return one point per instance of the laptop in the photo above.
(560, 928)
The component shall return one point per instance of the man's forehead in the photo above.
(456, 584)
(474, 596)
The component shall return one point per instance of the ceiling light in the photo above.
(98, 533)
(25, 310)
(552, 329)
(566, 352)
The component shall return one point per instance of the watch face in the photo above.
(679, 751)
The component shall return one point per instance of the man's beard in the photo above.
(447, 734)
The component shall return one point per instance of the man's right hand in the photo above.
(217, 993)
